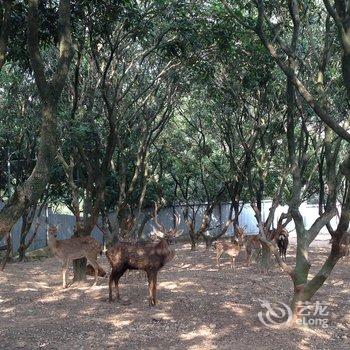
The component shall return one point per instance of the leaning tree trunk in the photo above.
(50, 92)
(30, 192)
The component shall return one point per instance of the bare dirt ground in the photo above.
(199, 307)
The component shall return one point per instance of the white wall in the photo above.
(247, 218)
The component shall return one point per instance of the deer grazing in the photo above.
(149, 257)
(73, 248)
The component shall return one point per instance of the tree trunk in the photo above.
(208, 242)
(299, 297)
(265, 259)
(8, 254)
(192, 240)
(79, 268)
(27, 219)
(21, 252)
(79, 265)
(29, 193)
(22, 241)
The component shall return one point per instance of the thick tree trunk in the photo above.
(50, 92)
(79, 265)
(299, 297)
(79, 268)
(266, 261)
(30, 192)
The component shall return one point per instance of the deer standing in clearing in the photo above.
(250, 242)
(232, 249)
(282, 241)
(74, 248)
(149, 257)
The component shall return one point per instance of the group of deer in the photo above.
(123, 256)
(251, 243)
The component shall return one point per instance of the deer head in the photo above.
(240, 233)
(161, 232)
(52, 231)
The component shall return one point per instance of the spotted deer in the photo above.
(232, 249)
(73, 248)
(149, 257)
(250, 242)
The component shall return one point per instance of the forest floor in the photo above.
(199, 307)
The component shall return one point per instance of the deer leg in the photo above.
(95, 265)
(232, 262)
(218, 256)
(65, 273)
(111, 280)
(152, 287)
(117, 275)
(249, 255)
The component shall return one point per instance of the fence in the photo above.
(166, 217)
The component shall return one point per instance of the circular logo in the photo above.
(275, 315)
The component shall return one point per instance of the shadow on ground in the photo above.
(199, 307)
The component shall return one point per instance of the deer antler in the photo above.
(159, 225)
(177, 220)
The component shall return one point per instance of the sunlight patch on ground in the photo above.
(7, 310)
(51, 298)
(26, 289)
(237, 309)
(169, 285)
(161, 316)
(204, 332)
(117, 322)
(173, 285)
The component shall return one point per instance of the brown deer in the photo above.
(250, 242)
(232, 249)
(73, 248)
(91, 271)
(149, 257)
(344, 243)
(282, 241)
